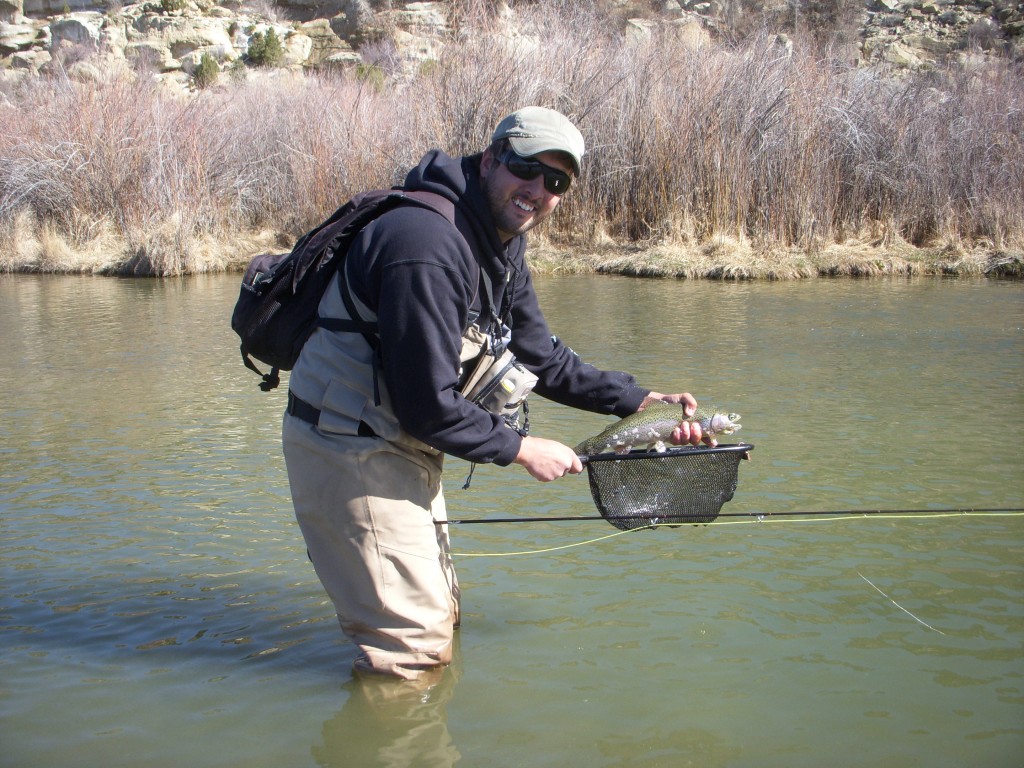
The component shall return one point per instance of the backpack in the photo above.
(277, 305)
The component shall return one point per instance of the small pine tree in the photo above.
(265, 49)
(207, 71)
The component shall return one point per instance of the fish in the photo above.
(653, 426)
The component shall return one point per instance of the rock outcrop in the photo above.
(172, 37)
(921, 33)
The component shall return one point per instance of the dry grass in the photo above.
(728, 162)
(724, 259)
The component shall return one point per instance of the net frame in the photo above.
(679, 486)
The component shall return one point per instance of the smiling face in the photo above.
(518, 205)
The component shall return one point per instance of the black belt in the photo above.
(300, 409)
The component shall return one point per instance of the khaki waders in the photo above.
(366, 508)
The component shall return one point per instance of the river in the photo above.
(157, 607)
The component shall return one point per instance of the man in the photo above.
(366, 428)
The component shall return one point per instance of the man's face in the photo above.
(518, 205)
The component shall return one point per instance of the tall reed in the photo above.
(688, 145)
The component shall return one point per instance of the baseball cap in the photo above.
(532, 130)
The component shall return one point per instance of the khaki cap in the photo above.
(532, 130)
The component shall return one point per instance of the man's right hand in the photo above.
(547, 460)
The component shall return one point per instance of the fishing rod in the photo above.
(694, 519)
(644, 489)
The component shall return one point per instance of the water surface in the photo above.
(157, 608)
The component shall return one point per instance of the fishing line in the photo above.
(761, 516)
(923, 623)
(544, 551)
(754, 519)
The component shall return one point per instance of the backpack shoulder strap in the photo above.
(397, 197)
(394, 199)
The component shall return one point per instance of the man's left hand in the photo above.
(687, 433)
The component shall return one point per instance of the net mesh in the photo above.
(679, 486)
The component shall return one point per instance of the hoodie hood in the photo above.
(458, 179)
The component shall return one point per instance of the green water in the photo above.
(157, 608)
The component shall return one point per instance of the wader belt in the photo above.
(300, 409)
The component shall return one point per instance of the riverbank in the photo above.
(732, 261)
(723, 259)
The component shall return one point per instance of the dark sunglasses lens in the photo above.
(524, 169)
(556, 182)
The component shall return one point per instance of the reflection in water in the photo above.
(157, 607)
(392, 724)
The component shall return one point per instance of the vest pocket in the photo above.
(342, 409)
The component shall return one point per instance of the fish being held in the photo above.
(653, 427)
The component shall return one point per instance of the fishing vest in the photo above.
(336, 373)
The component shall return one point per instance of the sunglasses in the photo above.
(555, 181)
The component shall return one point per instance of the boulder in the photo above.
(16, 37)
(297, 48)
(183, 36)
(421, 19)
(326, 48)
(11, 11)
(33, 60)
(929, 44)
(890, 20)
(80, 29)
(1004, 12)
(181, 32)
(692, 33)
(151, 53)
(901, 56)
(113, 39)
(356, 23)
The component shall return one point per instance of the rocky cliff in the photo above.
(170, 38)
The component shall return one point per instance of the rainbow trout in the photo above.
(653, 427)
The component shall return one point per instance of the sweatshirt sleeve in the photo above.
(563, 376)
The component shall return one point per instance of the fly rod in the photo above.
(683, 519)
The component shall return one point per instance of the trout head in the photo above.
(722, 424)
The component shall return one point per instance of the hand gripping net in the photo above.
(682, 485)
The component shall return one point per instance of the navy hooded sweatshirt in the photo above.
(422, 278)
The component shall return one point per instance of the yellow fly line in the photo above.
(762, 520)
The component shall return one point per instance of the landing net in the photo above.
(682, 485)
